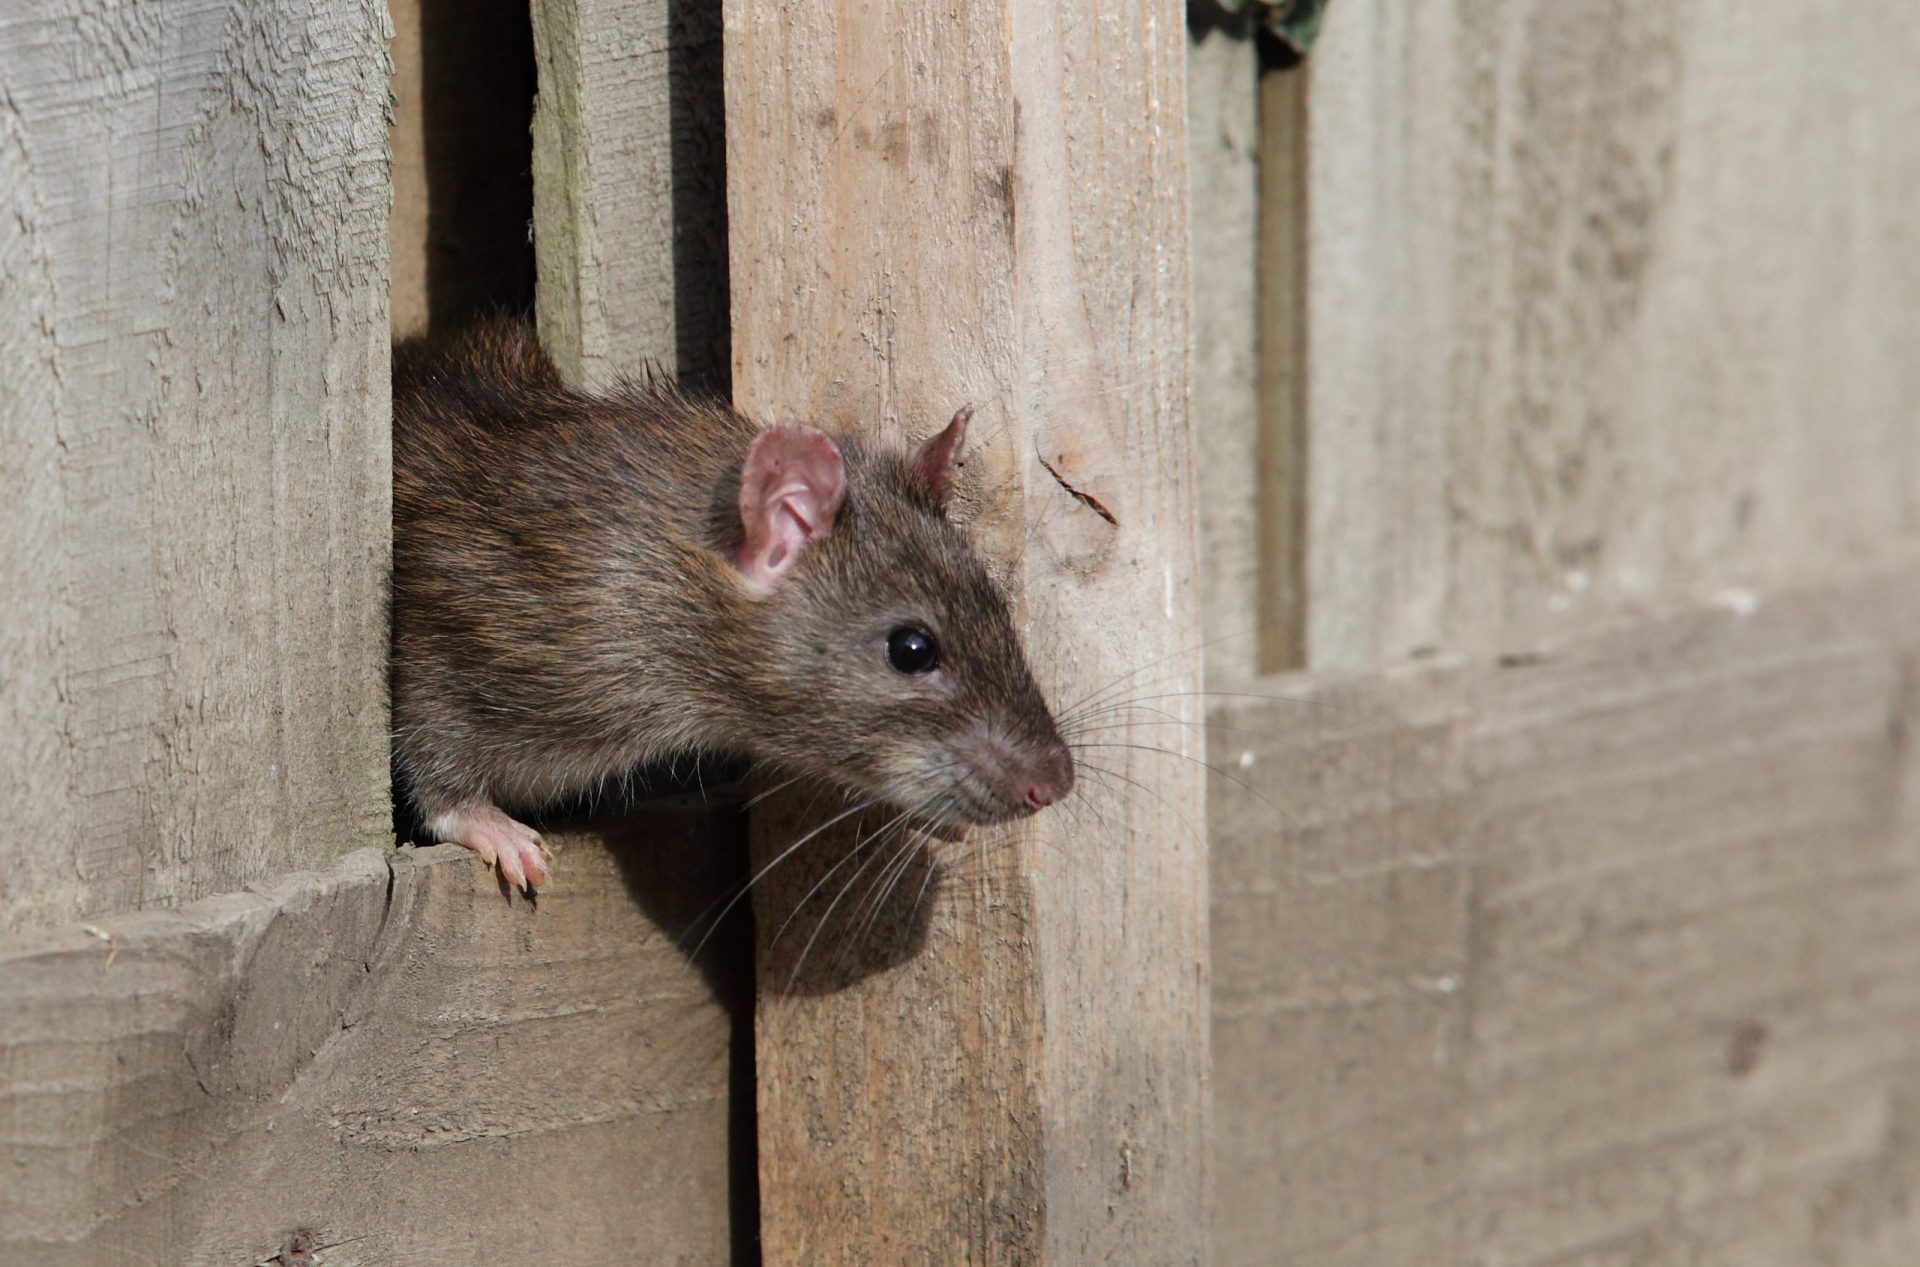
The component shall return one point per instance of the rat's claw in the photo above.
(525, 865)
(511, 846)
(511, 870)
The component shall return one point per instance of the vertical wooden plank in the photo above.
(193, 417)
(1223, 133)
(629, 188)
(1606, 301)
(1281, 451)
(630, 258)
(1382, 143)
(1104, 302)
(408, 253)
(931, 206)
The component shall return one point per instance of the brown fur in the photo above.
(565, 608)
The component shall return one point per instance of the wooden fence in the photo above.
(1537, 462)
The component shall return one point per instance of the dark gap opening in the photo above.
(478, 80)
(1278, 31)
(697, 102)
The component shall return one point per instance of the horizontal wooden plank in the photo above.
(388, 1055)
(1605, 951)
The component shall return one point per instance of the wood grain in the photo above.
(1605, 301)
(1600, 952)
(409, 219)
(630, 256)
(1280, 453)
(193, 448)
(629, 189)
(930, 206)
(1223, 136)
(387, 1055)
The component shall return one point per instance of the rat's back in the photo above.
(549, 548)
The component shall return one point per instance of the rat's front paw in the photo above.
(503, 842)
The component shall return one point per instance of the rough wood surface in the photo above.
(1601, 954)
(1605, 300)
(387, 1055)
(1223, 149)
(408, 253)
(629, 188)
(1281, 452)
(630, 258)
(931, 205)
(193, 447)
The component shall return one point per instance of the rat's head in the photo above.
(891, 663)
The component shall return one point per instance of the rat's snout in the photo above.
(1016, 777)
(1047, 779)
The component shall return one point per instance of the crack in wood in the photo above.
(1085, 499)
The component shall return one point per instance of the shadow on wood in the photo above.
(850, 900)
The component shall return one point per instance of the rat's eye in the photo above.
(912, 650)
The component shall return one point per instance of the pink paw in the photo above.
(503, 842)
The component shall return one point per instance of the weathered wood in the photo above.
(629, 188)
(387, 1055)
(1604, 301)
(407, 220)
(630, 255)
(1223, 147)
(930, 206)
(1600, 954)
(193, 447)
(1283, 433)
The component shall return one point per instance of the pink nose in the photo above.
(1049, 783)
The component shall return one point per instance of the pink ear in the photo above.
(932, 462)
(791, 487)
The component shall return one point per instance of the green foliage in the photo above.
(1294, 23)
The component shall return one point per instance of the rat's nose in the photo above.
(1049, 781)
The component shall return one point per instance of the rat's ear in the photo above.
(932, 462)
(791, 487)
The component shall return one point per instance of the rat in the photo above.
(588, 583)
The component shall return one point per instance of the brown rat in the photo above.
(584, 584)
